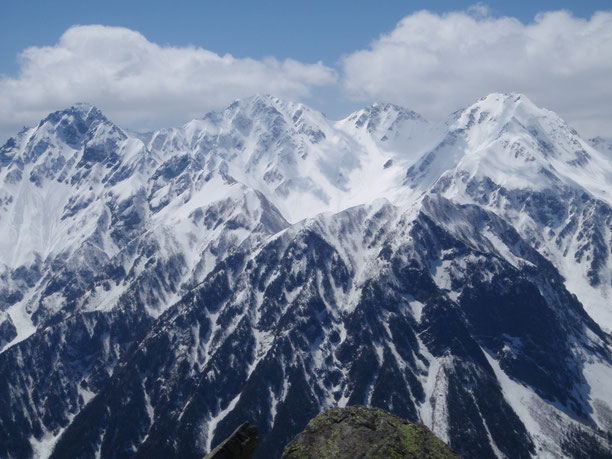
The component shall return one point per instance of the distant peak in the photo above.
(507, 100)
(389, 108)
(386, 106)
(83, 107)
(268, 108)
(379, 118)
(80, 112)
(259, 101)
(71, 124)
(382, 108)
(88, 111)
(269, 98)
(511, 97)
(499, 109)
(254, 104)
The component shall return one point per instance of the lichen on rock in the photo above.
(363, 432)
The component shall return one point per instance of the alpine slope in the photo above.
(264, 263)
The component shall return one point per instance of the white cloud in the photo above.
(141, 84)
(435, 64)
(479, 10)
(431, 63)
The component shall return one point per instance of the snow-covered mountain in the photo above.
(264, 263)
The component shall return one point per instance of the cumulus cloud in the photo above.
(141, 84)
(435, 64)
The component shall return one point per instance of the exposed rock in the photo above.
(7, 329)
(362, 432)
(240, 444)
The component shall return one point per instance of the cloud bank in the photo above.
(138, 83)
(431, 63)
(435, 64)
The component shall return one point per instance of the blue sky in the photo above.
(343, 36)
(309, 30)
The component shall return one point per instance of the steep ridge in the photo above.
(525, 164)
(280, 334)
(304, 163)
(129, 236)
(265, 263)
(80, 230)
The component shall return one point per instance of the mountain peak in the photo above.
(83, 107)
(71, 124)
(372, 115)
(277, 115)
(498, 113)
(516, 144)
(80, 126)
(380, 120)
(503, 107)
(80, 111)
(505, 97)
(392, 108)
(267, 104)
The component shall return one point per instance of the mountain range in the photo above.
(264, 263)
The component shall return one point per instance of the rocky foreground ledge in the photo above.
(362, 432)
(346, 433)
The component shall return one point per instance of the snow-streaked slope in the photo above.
(436, 313)
(266, 262)
(400, 133)
(89, 206)
(506, 138)
(527, 165)
(395, 138)
(304, 163)
(285, 150)
(55, 171)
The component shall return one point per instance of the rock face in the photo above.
(363, 432)
(7, 329)
(239, 445)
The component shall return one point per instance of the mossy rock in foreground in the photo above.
(362, 432)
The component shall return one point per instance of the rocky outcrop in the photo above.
(7, 329)
(239, 445)
(359, 431)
